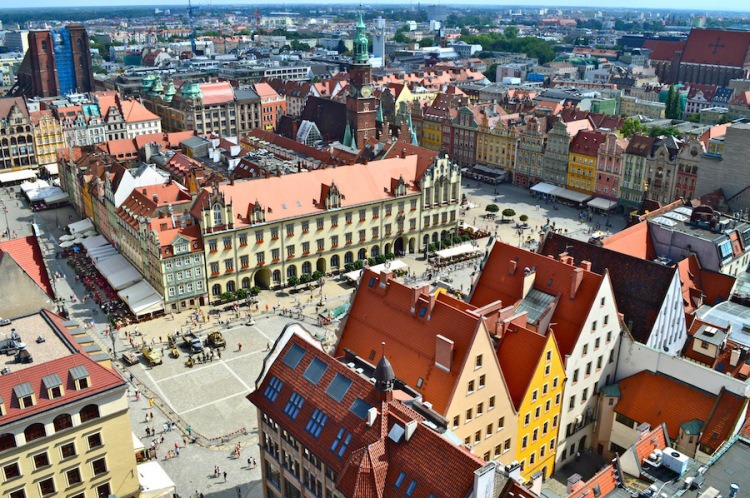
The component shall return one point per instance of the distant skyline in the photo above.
(697, 5)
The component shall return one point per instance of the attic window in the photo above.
(53, 385)
(2, 407)
(80, 376)
(25, 395)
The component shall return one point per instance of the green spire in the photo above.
(361, 54)
(348, 136)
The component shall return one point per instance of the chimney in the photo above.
(586, 265)
(575, 482)
(529, 275)
(734, 358)
(156, 198)
(385, 276)
(565, 258)
(643, 430)
(372, 414)
(484, 480)
(410, 427)
(575, 281)
(443, 353)
(513, 266)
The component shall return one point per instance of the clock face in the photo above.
(366, 91)
(352, 90)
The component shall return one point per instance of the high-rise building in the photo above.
(17, 41)
(58, 62)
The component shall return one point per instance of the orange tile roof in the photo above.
(123, 148)
(168, 233)
(552, 277)
(426, 156)
(634, 241)
(390, 315)
(655, 439)
(727, 412)
(26, 252)
(216, 93)
(606, 480)
(134, 112)
(519, 353)
(289, 196)
(265, 91)
(656, 399)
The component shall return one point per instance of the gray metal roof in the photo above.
(535, 303)
(711, 335)
(52, 380)
(79, 372)
(23, 390)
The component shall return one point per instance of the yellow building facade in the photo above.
(48, 137)
(496, 146)
(404, 215)
(540, 412)
(581, 173)
(432, 135)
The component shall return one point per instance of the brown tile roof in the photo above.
(390, 314)
(587, 143)
(640, 145)
(551, 276)
(663, 50)
(7, 103)
(717, 47)
(372, 462)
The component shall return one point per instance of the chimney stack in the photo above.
(512, 267)
(575, 281)
(586, 265)
(385, 276)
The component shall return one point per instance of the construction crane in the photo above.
(191, 9)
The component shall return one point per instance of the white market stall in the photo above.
(16, 177)
(80, 227)
(118, 271)
(459, 250)
(154, 482)
(543, 188)
(394, 265)
(100, 253)
(601, 203)
(142, 299)
(90, 243)
(52, 169)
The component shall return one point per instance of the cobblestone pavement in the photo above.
(208, 400)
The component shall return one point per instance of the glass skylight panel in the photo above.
(412, 486)
(294, 405)
(400, 479)
(360, 408)
(341, 442)
(317, 421)
(273, 389)
(338, 387)
(293, 356)
(315, 371)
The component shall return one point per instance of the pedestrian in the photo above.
(131, 377)
(239, 346)
(176, 445)
(184, 441)
(151, 414)
(137, 395)
(165, 426)
(190, 430)
(177, 451)
(161, 440)
(150, 402)
(225, 476)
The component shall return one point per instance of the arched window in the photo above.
(246, 283)
(230, 286)
(216, 290)
(217, 214)
(89, 412)
(348, 258)
(34, 431)
(375, 252)
(62, 422)
(277, 276)
(306, 267)
(335, 261)
(362, 254)
(291, 271)
(7, 441)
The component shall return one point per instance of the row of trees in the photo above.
(509, 41)
(633, 126)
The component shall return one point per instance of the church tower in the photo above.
(361, 105)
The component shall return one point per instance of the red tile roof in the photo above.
(701, 286)
(101, 379)
(26, 252)
(519, 354)
(551, 276)
(426, 157)
(662, 50)
(727, 412)
(390, 314)
(606, 480)
(717, 47)
(513, 489)
(145, 201)
(372, 461)
(655, 439)
(587, 143)
(634, 241)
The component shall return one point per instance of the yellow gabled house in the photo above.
(535, 375)
(584, 150)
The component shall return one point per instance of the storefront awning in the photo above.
(154, 482)
(601, 203)
(392, 266)
(570, 195)
(457, 251)
(543, 188)
(17, 176)
(81, 226)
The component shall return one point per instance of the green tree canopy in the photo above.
(631, 126)
(492, 208)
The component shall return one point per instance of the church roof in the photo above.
(717, 47)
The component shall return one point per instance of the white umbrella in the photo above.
(67, 244)
(90, 234)
(67, 237)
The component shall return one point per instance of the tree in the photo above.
(523, 218)
(305, 278)
(668, 103)
(292, 281)
(341, 48)
(508, 213)
(676, 106)
(492, 208)
(511, 32)
(631, 126)
(491, 72)
(241, 293)
(317, 275)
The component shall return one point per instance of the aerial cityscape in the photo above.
(374, 250)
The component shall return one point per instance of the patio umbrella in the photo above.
(67, 237)
(90, 234)
(67, 244)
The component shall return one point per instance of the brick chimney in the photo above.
(586, 265)
(443, 353)
(529, 276)
(385, 276)
(565, 258)
(575, 282)
(512, 267)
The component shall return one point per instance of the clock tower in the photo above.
(361, 105)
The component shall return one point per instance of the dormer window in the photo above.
(81, 377)
(54, 386)
(25, 395)
(2, 407)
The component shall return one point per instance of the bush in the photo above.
(241, 294)
(509, 213)
(254, 291)
(390, 255)
(305, 278)
(370, 261)
(456, 239)
(349, 267)
(293, 281)
(432, 247)
(380, 259)
(446, 242)
(492, 208)
(465, 238)
(227, 296)
(317, 275)
(358, 265)
(523, 218)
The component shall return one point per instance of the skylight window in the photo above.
(294, 405)
(317, 422)
(341, 442)
(360, 408)
(400, 479)
(293, 356)
(412, 486)
(315, 371)
(371, 282)
(338, 387)
(422, 311)
(273, 389)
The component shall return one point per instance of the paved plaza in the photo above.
(208, 401)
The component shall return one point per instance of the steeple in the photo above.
(361, 54)
(384, 376)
